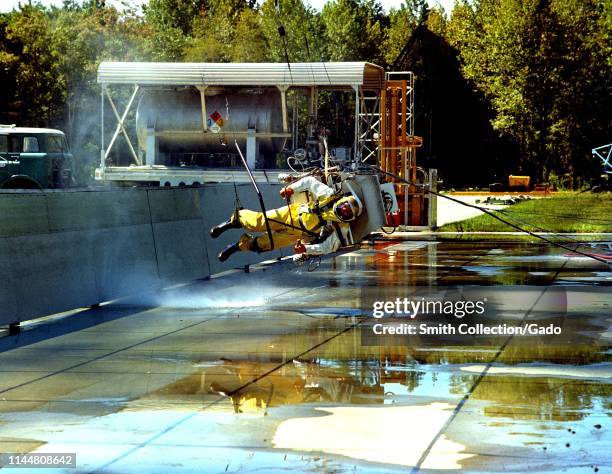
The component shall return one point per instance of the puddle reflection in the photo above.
(331, 399)
(379, 376)
(482, 263)
(255, 386)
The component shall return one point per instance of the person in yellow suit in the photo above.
(317, 227)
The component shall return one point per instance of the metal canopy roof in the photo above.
(333, 74)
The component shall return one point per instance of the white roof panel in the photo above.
(333, 74)
(10, 129)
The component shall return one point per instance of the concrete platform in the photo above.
(269, 372)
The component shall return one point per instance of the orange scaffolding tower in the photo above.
(398, 144)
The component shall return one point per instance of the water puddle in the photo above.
(279, 373)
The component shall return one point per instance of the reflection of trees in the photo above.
(358, 381)
(461, 384)
(257, 386)
(537, 350)
(413, 380)
(541, 350)
(500, 270)
(540, 398)
(533, 398)
(345, 371)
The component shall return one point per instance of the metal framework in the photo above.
(120, 125)
(364, 78)
(604, 153)
(383, 123)
(368, 133)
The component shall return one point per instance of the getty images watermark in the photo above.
(462, 317)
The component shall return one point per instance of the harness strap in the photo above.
(284, 224)
(320, 224)
(339, 234)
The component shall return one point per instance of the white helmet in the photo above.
(348, 208)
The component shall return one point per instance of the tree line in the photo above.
(503, 86)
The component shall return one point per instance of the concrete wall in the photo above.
(65, 250)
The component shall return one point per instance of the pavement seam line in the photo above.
(229, 394)
(481, 376)
(242, 387)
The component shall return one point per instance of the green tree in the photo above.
(355, 30)
(402, 23)
(249, 44)
(581, 85)
(175, 14)
(230, 30)
(83, 36)
(172, 23)
(28, 59)
(342, 32)
(436, 20)
(290, 31)
(544, 66)
(9, 60)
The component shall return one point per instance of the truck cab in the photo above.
(34, 158)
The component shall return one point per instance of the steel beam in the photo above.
(120, 122)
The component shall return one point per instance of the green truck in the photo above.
(34, 158)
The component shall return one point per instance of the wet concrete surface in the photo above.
(268, 371)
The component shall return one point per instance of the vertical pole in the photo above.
(312, 110)
(406, 153)
(393, 134)
(432, 220)
(393, 152)
(283, 92)
(251, 148)
(152, 147)
(411, 104)
(383, 129)
(420, 194)
(404, 123)
(407, 211)
(403, 132)
(294, 124)
(202, 90)
(357, 152)
(102, 151)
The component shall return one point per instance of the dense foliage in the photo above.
(519, 86)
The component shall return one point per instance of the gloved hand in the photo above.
(286, 192)
(286, 178)
(299, 247)
(300, 258)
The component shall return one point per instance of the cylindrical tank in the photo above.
(176, 117)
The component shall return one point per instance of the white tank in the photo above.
(176, 116)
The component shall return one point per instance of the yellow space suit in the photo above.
(318, 227)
